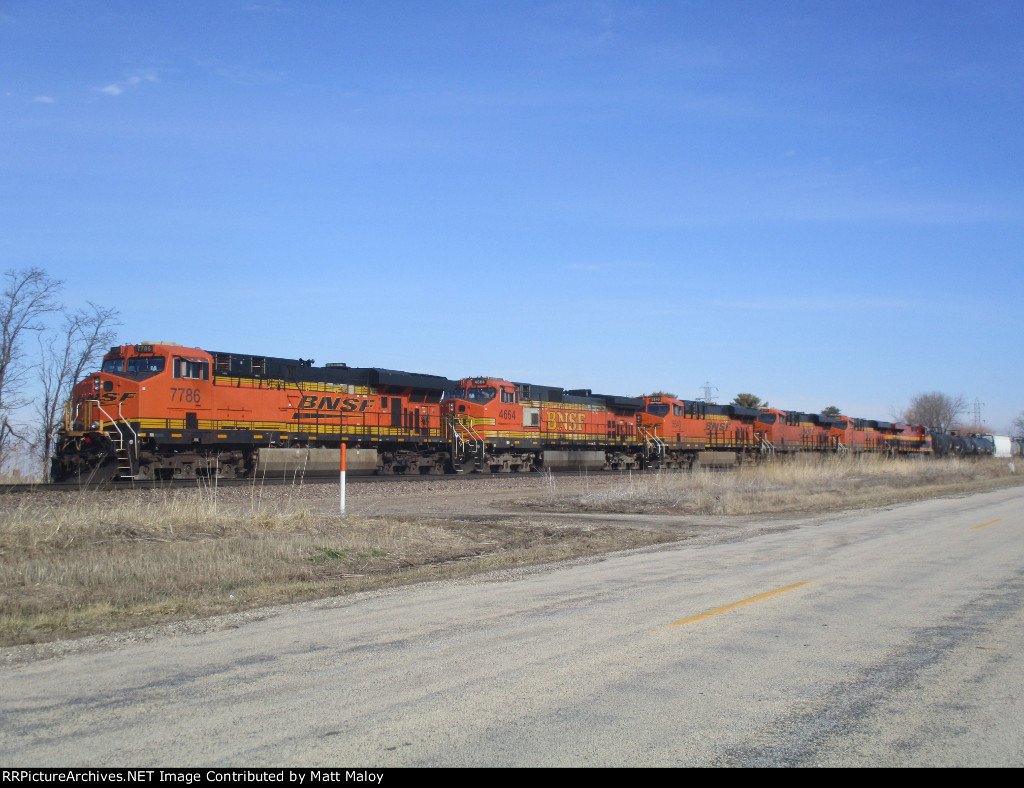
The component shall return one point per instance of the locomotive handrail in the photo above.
(459, 443)
(651, 439)
(474, 436)
(135, 435)
(120, 434)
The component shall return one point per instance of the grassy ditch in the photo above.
(72, 565)
(800, 485)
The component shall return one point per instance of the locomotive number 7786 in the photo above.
(185, 395)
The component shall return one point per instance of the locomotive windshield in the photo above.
(481, 395)
(658, 409)
(139, 365)
(145, 364)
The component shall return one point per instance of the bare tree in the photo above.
(28, 295)
(936, 411)
(83, 336)
(1018, 425)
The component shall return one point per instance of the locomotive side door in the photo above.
(191, 394)
(396, 412)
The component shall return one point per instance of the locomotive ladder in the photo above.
(652, 444)
(457, 427)
(841, 448)
(125, 448)
(766, 446)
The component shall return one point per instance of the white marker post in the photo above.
(343, 479)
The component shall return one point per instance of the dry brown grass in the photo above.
(806, 485)
(89, 563)
(80, 564)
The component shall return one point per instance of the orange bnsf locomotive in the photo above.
(163, 411)
(496, 425)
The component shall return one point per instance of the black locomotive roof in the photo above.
(532, 392)
(293, 370)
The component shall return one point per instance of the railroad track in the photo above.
(281, 481)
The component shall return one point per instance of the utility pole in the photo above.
(710, 393)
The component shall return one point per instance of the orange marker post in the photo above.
(343, 479)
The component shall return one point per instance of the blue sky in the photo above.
(817, 202)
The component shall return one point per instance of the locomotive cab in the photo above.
(490, 402)
(132, 375)
(104, 417)
(113, 393)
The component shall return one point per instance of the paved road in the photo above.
(887, 638)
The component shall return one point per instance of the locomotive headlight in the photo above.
(94, 426)
(95, 384)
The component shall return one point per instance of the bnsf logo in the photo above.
(106, 398)
(565, 422)
(349, 405)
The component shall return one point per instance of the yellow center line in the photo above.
(993, 522)
(734, 605)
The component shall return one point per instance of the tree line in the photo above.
(45, 347)
(937, 411)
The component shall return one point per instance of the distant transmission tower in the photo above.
(977, 413)
(710, 392)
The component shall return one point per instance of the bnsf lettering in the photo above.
(349, 405)
(110, 397)
(566, 422)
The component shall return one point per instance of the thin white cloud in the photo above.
(43, 100)
(117, 88)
